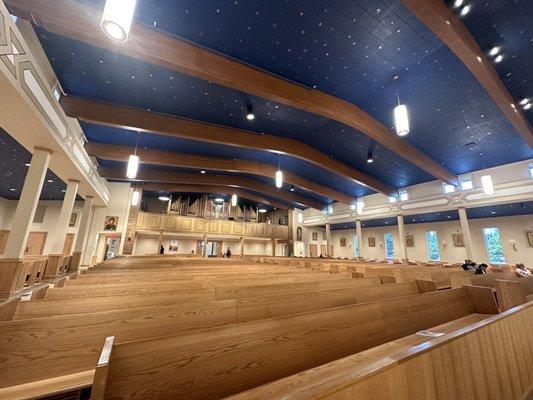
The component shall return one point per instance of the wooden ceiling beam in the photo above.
(118, 116)
(173, 159)
(176, 188)
(81, 22)
(189, 178)
(448, 27)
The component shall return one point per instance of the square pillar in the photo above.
(82, 234)
(329, 244)
(359, 233)
(465, 229)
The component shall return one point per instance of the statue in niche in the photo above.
(299, 234)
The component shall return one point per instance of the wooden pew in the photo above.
(476, 359)
(223, 361)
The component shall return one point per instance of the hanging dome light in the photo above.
(135, 197)
(117, 18)
(279, 179)
(262, 210)
(234, 200)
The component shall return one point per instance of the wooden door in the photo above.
(3, 240)
(35, 243)
(323, 250)
(69, 241)
(312, 250)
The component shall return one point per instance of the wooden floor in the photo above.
(162, 327)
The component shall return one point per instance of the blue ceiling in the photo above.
(13, 170)
(500, 210)
(508, 24)
(349, 49)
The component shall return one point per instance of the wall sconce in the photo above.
(512, 243)
(443, 244)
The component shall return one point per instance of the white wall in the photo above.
(511, 229)
(53, 209)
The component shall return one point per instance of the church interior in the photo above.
(266, 199)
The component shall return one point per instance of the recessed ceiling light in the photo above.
(524, 101)
(527, 106)
(63, 190)
(495, 50)
(493, 212)
(164, 198)
(27, 164)
(13, 189)
(219, 200)
(498, 59)
(465, 10)
(49, 181)
(458, 3)
(202, 171)
(262, 210)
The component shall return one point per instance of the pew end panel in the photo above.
(102, 369)
(8, 309)
(510, 294)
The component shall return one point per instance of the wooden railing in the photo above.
(192, 225)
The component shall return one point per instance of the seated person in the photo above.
(468, 265)
(481, 269)
(522, 271)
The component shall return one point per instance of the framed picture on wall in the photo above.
(111, 223)
(343, 242)
(73, 220)
(529, 238)
(458, 240)
(315, 236)
(371, 242)
(173, 245)
(409, 240)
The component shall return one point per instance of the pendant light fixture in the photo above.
(250, 112)
(135, 197)
(369, 157)
(133, 164)
(234, 200)
(488, 187)
(279, 177)
(401, 117)
(117, 18)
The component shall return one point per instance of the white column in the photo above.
(465, 229)
(329, 245)
(27, 204)
(359, 233)
(92, 238)
(401, 233)
(84, 224)
(242, 246)
(205, 246)
(64, 217)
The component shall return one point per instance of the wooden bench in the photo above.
(476, 359)
(219, 362)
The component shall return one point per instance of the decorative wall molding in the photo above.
(21, 70)
(511, 192)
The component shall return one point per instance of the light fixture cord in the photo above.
(136, 142)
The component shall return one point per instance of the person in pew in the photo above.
(228, 253)
(161, 250)
(481, 269)
(522, 271)
(321, 256)
(468, 265)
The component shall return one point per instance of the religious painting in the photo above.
(409, 240)
(458, 240)
(111, 223)
(343, 242)
(299, 234)
(371, 242)
(173, 245)
(315, 236)
(529, 238)
(73, 220)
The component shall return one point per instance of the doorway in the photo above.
(323, 250)
(69, 241)
(312, 250)
(35, 243)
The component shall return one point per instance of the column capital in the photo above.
(39, 148)
(73, 181)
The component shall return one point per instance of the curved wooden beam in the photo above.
(81, 22)
(166, 176)
(118, 116)
(173, 159)
(173, 188)
(449, 28)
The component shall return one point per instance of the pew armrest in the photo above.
(102, 368)
(48, 387)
